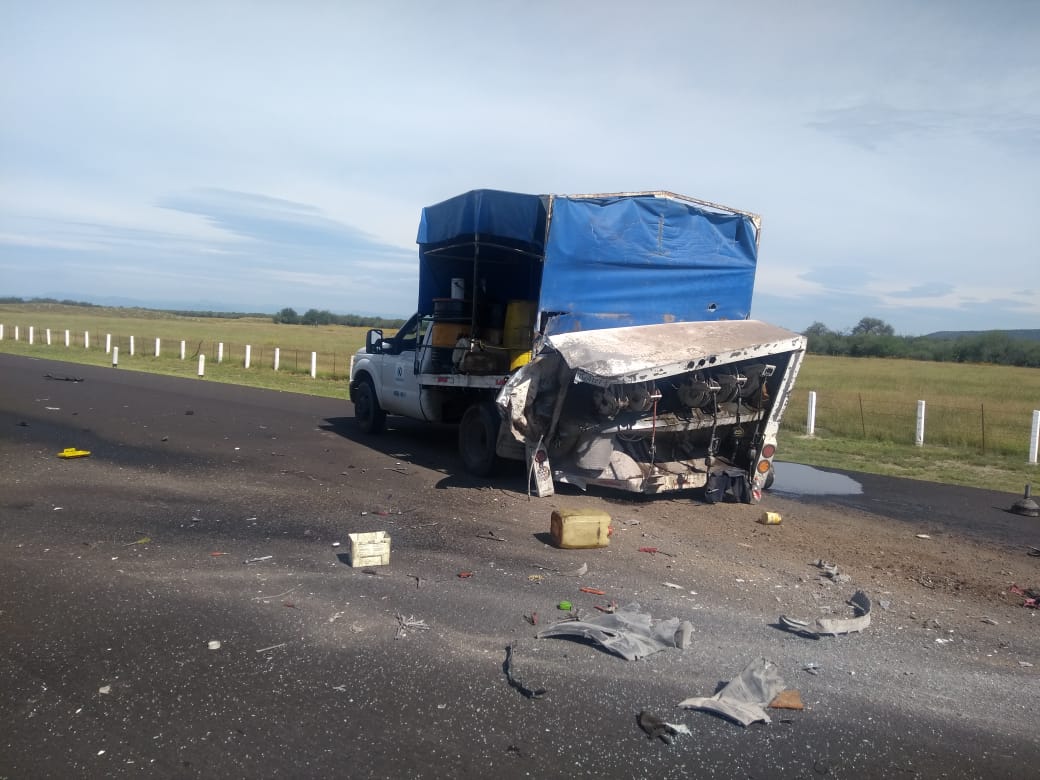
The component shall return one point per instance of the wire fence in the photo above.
(121, 348)
(982, 428)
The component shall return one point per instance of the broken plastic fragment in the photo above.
(744, 698)
(833, 626)
(628, 632)
(656, 728)
(72, 452)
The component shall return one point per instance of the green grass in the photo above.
(977, 422)
(333, 343)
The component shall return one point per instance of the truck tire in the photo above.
(478, 434)
(369, 414)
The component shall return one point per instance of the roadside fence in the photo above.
(326, 365)
(986, 429)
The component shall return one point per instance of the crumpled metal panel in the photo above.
(644, 352)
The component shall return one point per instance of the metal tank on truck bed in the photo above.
(602, 339)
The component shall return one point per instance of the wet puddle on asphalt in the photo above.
(794, 479)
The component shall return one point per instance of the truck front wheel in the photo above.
(478, 434)
(369, 414)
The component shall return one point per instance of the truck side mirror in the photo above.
(373, 341)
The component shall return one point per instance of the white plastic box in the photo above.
(370, 549)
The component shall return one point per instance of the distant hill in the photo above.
(953, 335)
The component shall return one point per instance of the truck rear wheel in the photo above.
(369, 414)
(478, 434)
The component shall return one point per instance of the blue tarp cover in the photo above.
(603, 262)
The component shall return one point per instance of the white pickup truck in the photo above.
(603, 340)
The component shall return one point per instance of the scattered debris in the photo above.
(105, 689)
(923, 536)
(72, 452)
(514, 680)
(989, 621)
(565, 606)
(63, 378)
(1034, 552)
(1031, 596)
(492, 536)
(833, 626)
(535, 577)
(610, 608)
(465, 575)
(217, 554)
(532, 618)
(1026, 664)
(655, 551)
(812, 668)
(271, 598)
(672, 585)
(214, 644)
(419, 581)
(744, 698)
(142, 540)
(628, 632)
(409, 622)
(791, 699)
(272, 647)
(942, 641)
(656, 728)
(335, 544)
(579, 572)
(593, 591)
(830, 570)
(258, 560)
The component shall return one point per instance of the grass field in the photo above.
(977, 421)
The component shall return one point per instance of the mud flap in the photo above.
(727, 485)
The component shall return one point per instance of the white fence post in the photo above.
(16, 333)
(182, 349)
(314, 365)
(86, 339)
(249, 354)
(1034, 436)
(277, 357)
(68, 338)
(1, 332)
(810, 422)
(919, 433)
(115, 356)
(202, 364)
(131, 346)
(220, 352)
(157, 346)
(32, 334)
(48, 337)
(108, 343)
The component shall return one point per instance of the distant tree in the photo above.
(872, 326)
(287, 316)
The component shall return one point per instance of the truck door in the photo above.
(399, 380)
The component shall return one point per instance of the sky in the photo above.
(252, 156)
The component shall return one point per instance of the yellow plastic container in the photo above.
(519, 358)
(519, 324)
(770, 518)
(574, 529)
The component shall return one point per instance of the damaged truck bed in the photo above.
(656, 408)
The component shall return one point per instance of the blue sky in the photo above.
(257, 155)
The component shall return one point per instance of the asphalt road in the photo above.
(119, 570)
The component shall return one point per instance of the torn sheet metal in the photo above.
(744, 698)
(833, 626)
(629, 632)
(636, 354)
